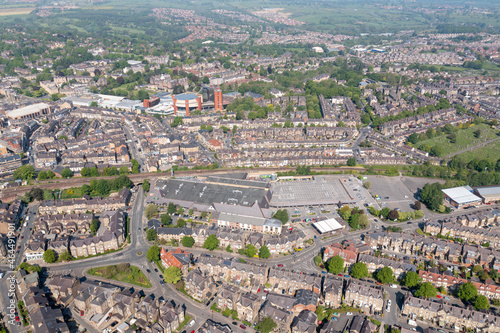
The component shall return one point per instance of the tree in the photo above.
(477, 133)
(172, 274)
(180, 210)
(426, 289)
(150, 211)
(123, 170)
(363, 221)
(42, 175)
(359, 270)
(153, 253)
(211, 243)
(25, 172)
(102, 187)
(351, 161)
(135, 166)
(151, 235)
(49, 256)
(345, 212)
(393, 215)
(94, 225)
(385, 212)
(50, 174)
(36, 193)
(171, 208)
(250, 251)
(417, 205)
(467, 291)
(187, 241)
(282, 215)
(385, 275)
(264, 252)
(335, 265)
(481, 303)
(177, 121)
(367, 185)
(432, 196)
(411, 279)
(181, 223)
(145, 185)
(204, 215)
(66, 256)
(66, 173)
(166, 220)
(266, 325)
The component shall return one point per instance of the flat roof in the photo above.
(327, 225)
(186, 96)
(27, 110)
(461, 195)
(208, 193)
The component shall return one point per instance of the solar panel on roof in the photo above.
(227, 262)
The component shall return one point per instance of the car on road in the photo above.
(394, 286)
(341, 275)
(139, 229)
(280, 265)
(147, 270)
(243, 327)
(191, 323)
(161, 276)
(389, 302)
(82, 313)
(388, 308)
(156, 270)
(162, 282)
(439, 296)
(347, 276)
(447, 298)
(234, 323)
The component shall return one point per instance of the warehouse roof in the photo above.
(490, 191)
(27, 110)
(461, 195)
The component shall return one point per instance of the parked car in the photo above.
(280, 265)
(439, 296)
(348, 314)
(243, 327)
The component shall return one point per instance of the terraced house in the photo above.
(445, 315)
(369, 298)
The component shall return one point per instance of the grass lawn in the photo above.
(133, 276)
(490, 152)
(16, 11)
(465, 139)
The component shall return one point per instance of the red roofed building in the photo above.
(177, 258)
(214, 144)
(348, 253)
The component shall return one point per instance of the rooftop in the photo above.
(186, 96)
(327, 225)
(461, 195)
(27, 110)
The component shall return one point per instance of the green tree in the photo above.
(266, 325)
(467, 291)
(36, 193)
(264, 252)
(351, 161)
(181, 223)
(425, 289)
(345, 212)
(393, 215)
(359, 270)
(66, 256)
(411, 279)
(50, 174)
(145, 185)
(187, 241)
(171, 209)
(335, 265)
(94, 225)
(123, 170)
(363, 221)
(49, 256)
(135, 166)
(151, 235)
(385, 275)
(153, 253)
(42, 175)
(150, 211)
(177, 121)
(102, 187)
(180, 210)
(166, 219)
(66, 173)
(172, 274)
(250, 251)
(282, 215)
(25, 172)
(432, 196)
(211, 243)
(367, 185)
(481, 303)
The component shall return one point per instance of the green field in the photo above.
(132, 275)
(465, 139)
(490, 152)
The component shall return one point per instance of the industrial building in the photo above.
(489, 194)
(30, 111)
(461, 197)
(328, 226)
